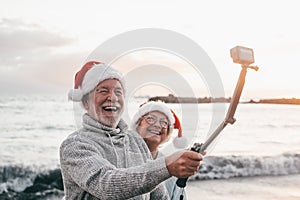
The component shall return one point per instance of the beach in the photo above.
(256, 158)
(285, 187)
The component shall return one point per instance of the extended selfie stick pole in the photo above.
(197, 147)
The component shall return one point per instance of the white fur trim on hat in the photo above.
(92, 78)
(180, 142)
(150, 107)
(75, 94)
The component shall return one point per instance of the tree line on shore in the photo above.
(173, 99)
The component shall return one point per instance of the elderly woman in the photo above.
(155, 122)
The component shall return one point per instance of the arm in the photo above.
(97, 176)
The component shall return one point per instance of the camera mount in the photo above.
(245, 57)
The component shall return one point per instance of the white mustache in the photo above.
(110, 104)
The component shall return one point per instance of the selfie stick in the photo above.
(197, 147)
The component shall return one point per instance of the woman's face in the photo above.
(153, 127)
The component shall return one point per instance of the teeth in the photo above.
(155, 132)
(110, 108)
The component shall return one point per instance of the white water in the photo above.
(265, 139)
(32, 128)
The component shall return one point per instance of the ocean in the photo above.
(259, 152)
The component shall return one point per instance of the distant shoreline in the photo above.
(173, 99)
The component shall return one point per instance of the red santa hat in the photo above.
(179, 141)
(89, 76)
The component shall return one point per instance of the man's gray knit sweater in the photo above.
(99, 162)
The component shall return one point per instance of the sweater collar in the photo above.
(91, 124)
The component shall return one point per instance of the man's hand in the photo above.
(183, 163)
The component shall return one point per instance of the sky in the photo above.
(43, 43)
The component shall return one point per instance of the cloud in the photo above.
(33, 58)
(24, 43)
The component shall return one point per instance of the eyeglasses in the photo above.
(152, 119)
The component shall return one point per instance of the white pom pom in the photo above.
(75, 95)
(180, 142)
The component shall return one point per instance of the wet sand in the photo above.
(258, 188)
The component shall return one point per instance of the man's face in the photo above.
(106, 102)
(153, 127)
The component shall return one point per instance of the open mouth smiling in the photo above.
(110, 108)
(155, 132)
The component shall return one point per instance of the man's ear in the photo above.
(85, 105)
(84, 101)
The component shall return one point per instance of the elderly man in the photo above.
(103, 160)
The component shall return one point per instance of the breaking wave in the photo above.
(217, 167)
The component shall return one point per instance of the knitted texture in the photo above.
(100, 162)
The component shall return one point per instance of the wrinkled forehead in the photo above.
(110, 83)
